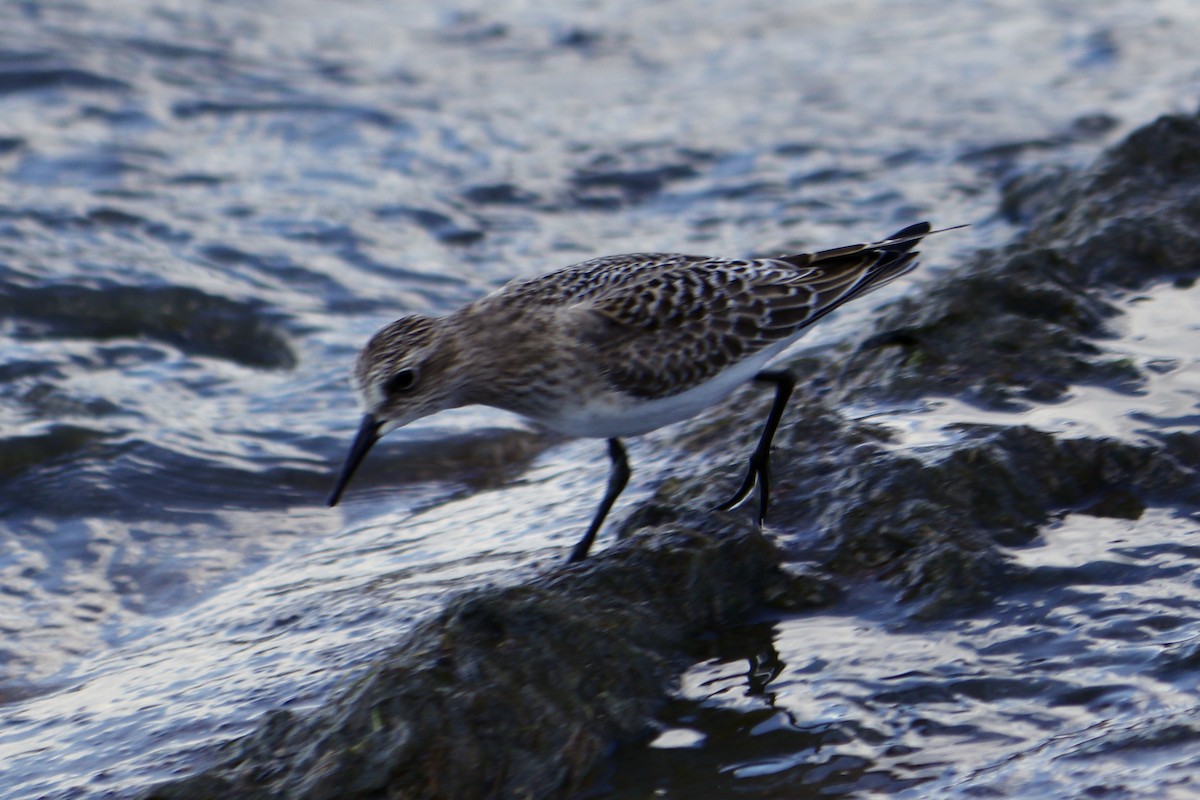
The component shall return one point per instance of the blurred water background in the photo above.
(207, 207)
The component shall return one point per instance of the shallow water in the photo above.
(1080, 682)
(205, 209)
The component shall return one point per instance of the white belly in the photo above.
(609, 416)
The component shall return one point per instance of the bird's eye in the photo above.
(401, 381)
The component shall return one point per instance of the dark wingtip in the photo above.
(914, 230)
(906, 239)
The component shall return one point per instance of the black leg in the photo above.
(760, 460)
(617, 478)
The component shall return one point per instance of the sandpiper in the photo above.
(618, 346)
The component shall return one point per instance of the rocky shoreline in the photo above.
(524, 691)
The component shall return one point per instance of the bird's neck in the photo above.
(497, 360)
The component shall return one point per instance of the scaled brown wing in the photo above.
(677, 328)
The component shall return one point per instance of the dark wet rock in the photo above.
(1030, 194)
(1006, 330)
(195, 322)
(1003, 332)
(932, 523)
(936, 523)
(1024, 323)
(512, 692)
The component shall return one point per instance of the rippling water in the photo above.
(206, 208)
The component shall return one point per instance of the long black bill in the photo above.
(368, 434)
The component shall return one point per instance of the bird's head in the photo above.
(403, 374)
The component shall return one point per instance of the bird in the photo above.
(619, 346)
